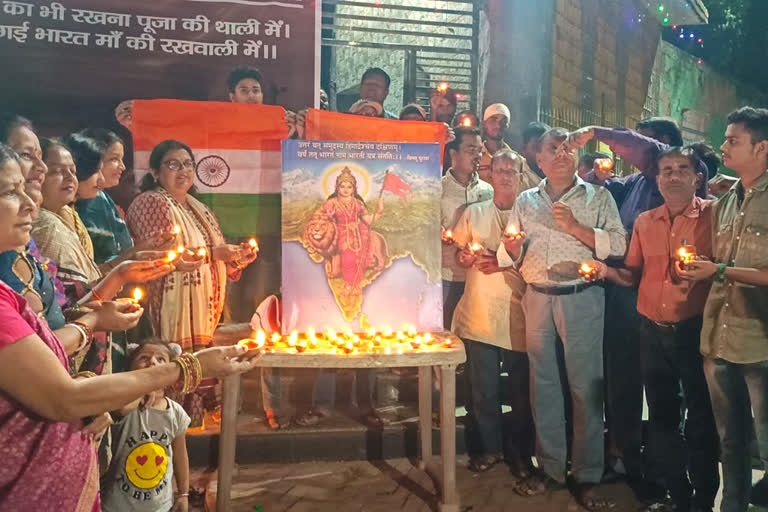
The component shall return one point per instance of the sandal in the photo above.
(272, 420)
(197, 497)
(538, 483)
(520, 468)
(588, 497)
(308, 419)
(372, 419)
(483, 463)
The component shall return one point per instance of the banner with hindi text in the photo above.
(91, 54)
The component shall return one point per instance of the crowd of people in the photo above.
(98, 360)
(572, 352)
(580, 348)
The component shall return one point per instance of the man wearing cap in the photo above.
(495, 122)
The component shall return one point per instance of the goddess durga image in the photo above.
(340, 232)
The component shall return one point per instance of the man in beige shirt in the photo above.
(489, 318)
(734, 337)
(461, 188)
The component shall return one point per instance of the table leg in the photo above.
(227, 441)
(425, 414)
(450, 497)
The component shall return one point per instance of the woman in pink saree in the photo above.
(49, 454)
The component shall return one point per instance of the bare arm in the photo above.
(70, 337)
(704, 269)
(751, 276)
(623, 276)
(58, 397)
(583, 234)
(181, 466)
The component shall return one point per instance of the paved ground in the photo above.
(388, 486)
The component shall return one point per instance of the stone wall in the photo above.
(696, 95)
(602, 56)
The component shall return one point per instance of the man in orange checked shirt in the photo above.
(671, 311)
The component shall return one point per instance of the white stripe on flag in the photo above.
(228, 171)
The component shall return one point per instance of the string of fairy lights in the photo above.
(686, 39)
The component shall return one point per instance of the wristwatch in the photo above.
(720, 274)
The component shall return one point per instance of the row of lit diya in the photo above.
(371, 342)
(201, 252)
(685, 254)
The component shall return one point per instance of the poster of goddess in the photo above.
(361, 235)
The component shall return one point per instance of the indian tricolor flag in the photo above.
(237, 152)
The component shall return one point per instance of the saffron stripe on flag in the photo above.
(237, 149)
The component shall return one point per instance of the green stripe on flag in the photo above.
(245, 215)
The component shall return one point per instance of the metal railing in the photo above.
(438, 41)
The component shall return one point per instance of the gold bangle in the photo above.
(85, 375)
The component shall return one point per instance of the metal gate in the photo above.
(436, 39)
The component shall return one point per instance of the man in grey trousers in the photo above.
(565, 222)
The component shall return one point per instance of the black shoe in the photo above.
(646, 491)
(759, 496)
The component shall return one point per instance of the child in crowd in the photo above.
(149, 445)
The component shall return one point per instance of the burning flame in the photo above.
(254, 245)
(442, 86)
(137, 294)
(202, 252)
(605, 164)
(176, 229)
(466, 122)
(171, 256)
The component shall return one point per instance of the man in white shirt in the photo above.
(461, 188)
(566, 222)
(489, 318)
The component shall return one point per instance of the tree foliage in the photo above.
(735, 41)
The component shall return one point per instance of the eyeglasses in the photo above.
(175, 165)
(508, 175)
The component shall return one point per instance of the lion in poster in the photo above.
(340, 232)
(320, 238)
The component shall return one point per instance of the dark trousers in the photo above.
(452, 292)
(488, 435)
(738, 391)
(623, 377)
(679, 445)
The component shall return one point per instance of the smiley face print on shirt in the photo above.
(146, 465)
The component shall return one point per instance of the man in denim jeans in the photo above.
(734, 338)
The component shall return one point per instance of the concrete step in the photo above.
(338, 438)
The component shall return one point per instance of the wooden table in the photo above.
(443, 469)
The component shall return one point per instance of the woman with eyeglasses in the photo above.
(185, 310)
